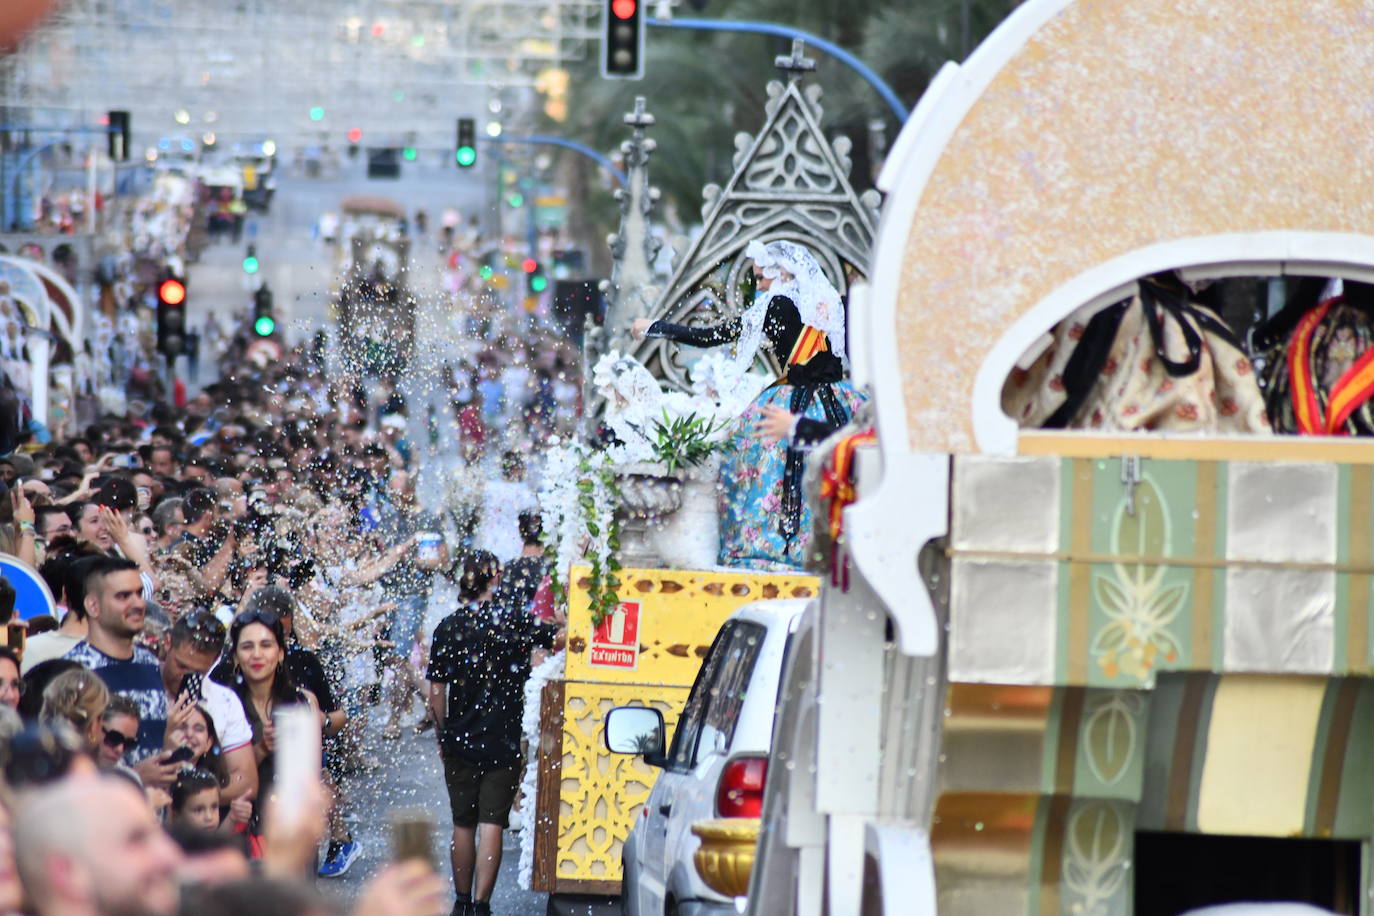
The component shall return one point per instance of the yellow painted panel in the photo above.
(680, 612)
(602, 793)
(1259, 755)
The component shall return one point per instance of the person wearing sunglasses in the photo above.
(120, 723)
(190, 650)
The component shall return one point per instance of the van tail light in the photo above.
(740, 793)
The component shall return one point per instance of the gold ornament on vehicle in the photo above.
(726, 855)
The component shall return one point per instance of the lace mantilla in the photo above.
(797, 274)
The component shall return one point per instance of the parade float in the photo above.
(372, 303)
(634, 516)
(1095, 635)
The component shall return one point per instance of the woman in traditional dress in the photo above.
(798, 314)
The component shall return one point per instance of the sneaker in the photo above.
(341, 856)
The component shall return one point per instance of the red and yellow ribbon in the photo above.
(837, 477)
(809, 342)
(1353, 388)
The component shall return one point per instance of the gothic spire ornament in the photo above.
(630, 292)
(790, 183)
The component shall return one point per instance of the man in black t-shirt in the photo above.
(521, 576)
(478, 665)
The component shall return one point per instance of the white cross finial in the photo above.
(796, 63)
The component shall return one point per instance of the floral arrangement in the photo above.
(579, 503)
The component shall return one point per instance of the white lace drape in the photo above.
(796, 274)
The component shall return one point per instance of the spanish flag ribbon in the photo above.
(837, 477)
(1353, 388)
(809, 342)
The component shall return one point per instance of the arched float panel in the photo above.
(1087, 142)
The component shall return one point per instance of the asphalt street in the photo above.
(408, 775)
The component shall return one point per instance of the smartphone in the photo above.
(145, 498)
(427, 547)
(15, 634)
(180, 755)
(193, 683)
(412, 833)
(298, 759)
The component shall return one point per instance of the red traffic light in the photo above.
(529, 265)
(172, 292)
(354, 135)
(624, 9)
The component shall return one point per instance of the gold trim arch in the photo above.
(1089, 142)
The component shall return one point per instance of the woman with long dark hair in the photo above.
(258, 674)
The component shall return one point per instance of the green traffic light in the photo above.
(516, 199)
(250, 265)
(485, 273)
(465, 156)
(317, 113)
(264, 326)
(539, 283)
(410, 153)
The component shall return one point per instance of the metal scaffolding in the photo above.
(301, 72)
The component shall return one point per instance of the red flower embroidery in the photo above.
(1145, 364)
(1186, 411)
(1130, 410)
(1097, 418)
(1229, 408)
(1076, 331)
(1057, 383)
(1242, 366)
(1166, 385)
(1109, 368)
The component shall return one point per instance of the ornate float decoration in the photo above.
(630, 292)
(790, 182)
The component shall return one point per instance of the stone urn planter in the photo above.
(689, 538)
(648, 494)
(669, 520)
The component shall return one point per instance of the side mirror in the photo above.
(636, 730)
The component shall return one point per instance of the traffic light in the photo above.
(171, 316)
(264, 325)
(250, 261)
(535, 279)
(117, 123)
(465, 154)
(622, 40)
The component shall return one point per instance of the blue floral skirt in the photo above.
(752, 487)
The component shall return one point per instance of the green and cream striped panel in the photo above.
(1094, 572)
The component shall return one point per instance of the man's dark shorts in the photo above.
(480, 794)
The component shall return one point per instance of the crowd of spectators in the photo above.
(259, 549)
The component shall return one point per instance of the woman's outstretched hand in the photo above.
(639, 327)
